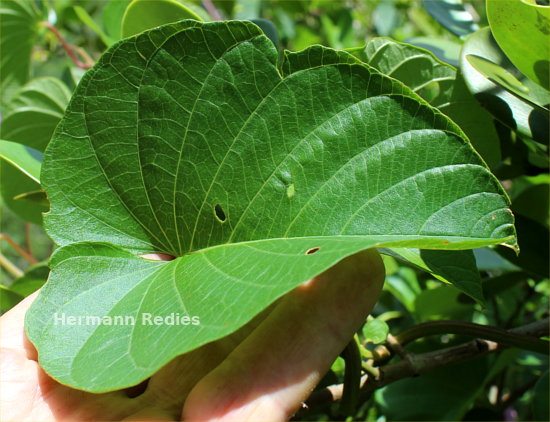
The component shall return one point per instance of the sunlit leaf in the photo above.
(192, 140)
(141, 15)
(509, 109)
(26, 159)
(522, 30)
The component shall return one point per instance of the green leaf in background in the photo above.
(141, 15)
(455, 267)
(20, 174)
(438, 83)
(540, 399)
(504, 79)
(443, 394)
(376, 331)
(87, 20)
(509, 109)
(522, 30)
(445, 50)
(33, 279)
(8, 298)
(111, 18)
(34, 112)
(192, 140)
(19, 22)
(452, 15)
(32, 115)
(15, 183)
(26, 159)
(269, 30)
(385, 18)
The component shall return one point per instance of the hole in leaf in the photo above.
(219, 213)
(158, 257)
(311, 251)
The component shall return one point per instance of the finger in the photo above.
(12, 328)
(273, 371)
(170, 386)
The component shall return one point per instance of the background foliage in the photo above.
(478, 81)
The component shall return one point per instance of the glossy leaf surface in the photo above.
(508, 108)
(522, 30)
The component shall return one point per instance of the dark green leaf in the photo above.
(455, 267)
(8, 298)
(18, 26)
(540, 398)
(33, 279)
(452, 15)
(90, 23)
(192, 141)
(35, 111)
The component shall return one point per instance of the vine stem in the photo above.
(25, 254)
(10, 267)
(352, 378)
(68, 48)
(414, 364)
(212, 10)
(498, 335)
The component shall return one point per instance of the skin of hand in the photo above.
(263, 372)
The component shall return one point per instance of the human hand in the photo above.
(263, 372)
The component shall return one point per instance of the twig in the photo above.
(28, 238)
(352, 378)
(66, 46)
(10, 267)
(26, 255)
(471, 329)
(418, 364)
(212, 10)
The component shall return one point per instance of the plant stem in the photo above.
(352, 379)
(68, 49)
(416, 364)
(498, 335)
(212, 10)
(10, 267)
(28, 238)
(26, 255)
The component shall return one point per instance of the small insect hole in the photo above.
(219, 213)
(311, 251)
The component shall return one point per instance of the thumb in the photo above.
(274, 370)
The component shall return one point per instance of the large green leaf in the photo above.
(522, 30)
(18, 26)
(438, 83)
(191, 140)
(515, 113)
